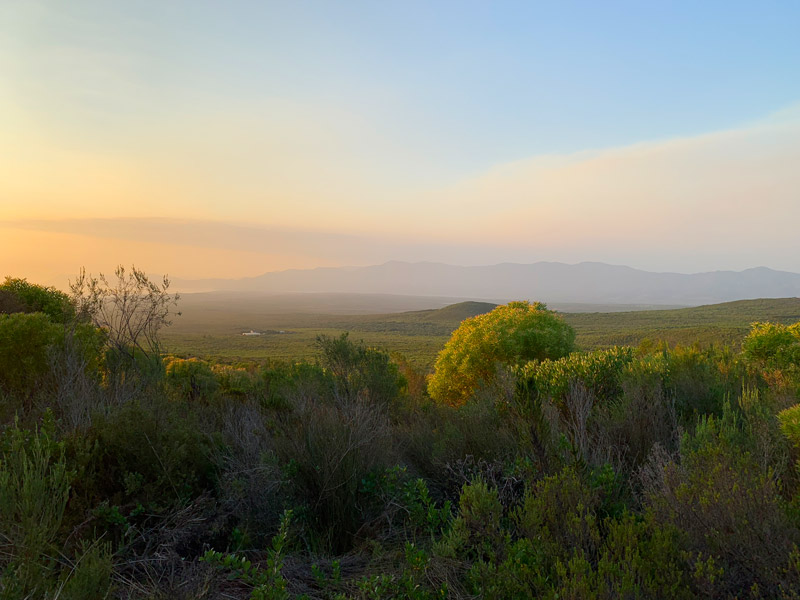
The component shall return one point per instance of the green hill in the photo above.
(725, 323)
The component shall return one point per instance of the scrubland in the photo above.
(651, 470)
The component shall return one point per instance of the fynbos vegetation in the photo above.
(522, 468)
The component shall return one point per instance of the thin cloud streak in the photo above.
(724, 200)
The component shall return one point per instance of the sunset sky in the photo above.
(227, 139)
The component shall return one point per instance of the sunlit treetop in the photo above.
(510, 335)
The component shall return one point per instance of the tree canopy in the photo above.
(510, 335)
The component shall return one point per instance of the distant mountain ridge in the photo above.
(586, 282)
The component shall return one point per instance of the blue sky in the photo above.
(344, 116)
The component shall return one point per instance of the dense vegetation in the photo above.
(648, 472)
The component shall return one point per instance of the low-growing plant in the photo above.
(267, 582)
(34, 489)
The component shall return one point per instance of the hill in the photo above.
(551, 282)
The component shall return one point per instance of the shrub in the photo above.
(191, 379)
(150, 453)
(510, 335)
(638, 559)
(727, 507)
(358, 371)
(476, 532)
(329, 448)
(560, 514)
(25, 341)
(449, 446)
(599, 371)
(249, 477)
(773, 350)
(697, 382)
(34, 489)
(773, 346)
(89, 578)
(36, 298)
(9, 303)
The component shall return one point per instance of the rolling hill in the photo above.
(551, 282)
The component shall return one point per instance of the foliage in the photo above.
(651, 473)
(510, 335)
(773, 345)
(773, 350)
(476, 531)
(36, 298)
(150, 453)
(727, 506)
(192, 379)
(25, 341)
(358, 371)
(34, 489)
(267, 583)
(600, 371)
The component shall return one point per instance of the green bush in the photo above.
(510, 335)
(773, 346)
(476, 532)
(151, 453)
(727, 506)
(448, 445)
(90, 577)
(34, 489)
(637, 560)
(773, 350)
(358, 371)
(25, 343)
(36, 298)
(559, 513)
(191, 379)
(599, 371)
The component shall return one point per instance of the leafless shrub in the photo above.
(132, 309)
(249, 483)
(159, 559)
(578, 403)
(510, 486)
(629, 428)
(333, 446)
(76, 392)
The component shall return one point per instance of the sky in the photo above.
(210, 139)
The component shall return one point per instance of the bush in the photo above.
(600, 372)
(476, 532)
(358, 371)
(329, 449)
(727, 506)
(34, 489)
(560, 514)
(510, 335)
(25, 343)
(150, 453)
(36, 298)
(191, 379)
(450, 446)
(637, 560)
(773, 350)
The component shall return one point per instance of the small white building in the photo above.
(251, 332)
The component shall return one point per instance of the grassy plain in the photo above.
(211, 325)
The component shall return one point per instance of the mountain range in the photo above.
(586, 282)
